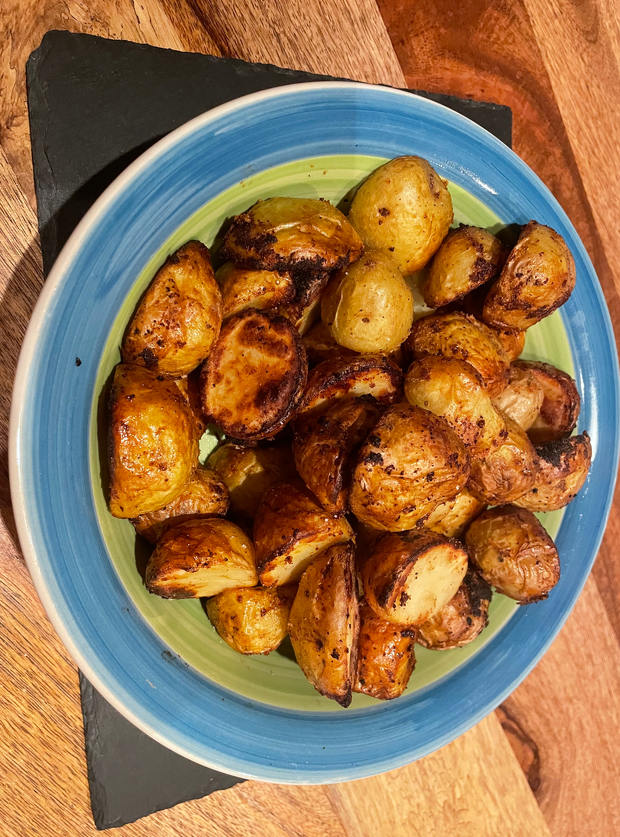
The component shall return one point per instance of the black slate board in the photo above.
(95, 105)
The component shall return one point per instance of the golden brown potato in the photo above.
(290, 529)
(323, 444)
(203, 494)
(467, 258)
(190, 387)
(537, 278)
(252, 620)
(385, 656)
(152, 441)
(320, 344)
(201, 557)
(460, 621)
(324, 623)
(305, 308)
(452, 518)
(350, 377)
(255, 375)
(561, 470)
(243, 288)
(514, 553)
(513, 342)
(561, 403)
(522, 398)
(410, 462)
(507, 470)
(463, 337)
(292, 233)
(368, 306)
(178, 319)
(411, 576)
(404, 207)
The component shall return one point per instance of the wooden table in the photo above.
(547, 760)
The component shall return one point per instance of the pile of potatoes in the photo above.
(383, 448)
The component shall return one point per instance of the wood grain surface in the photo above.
(547, 760)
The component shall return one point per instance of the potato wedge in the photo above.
(452, 518)
(523, 397)
(152, 441)
(344, 376)
(255, 375)
(508, 470)
(252, 620)
(513, 342)
(385, 656)
(561, 403)
(561, 470)
(410, 463)
(514, 553)
(201, 557)
(178, 319)
(244, 287)
(290, 530)
(411, 576)
(324, 623)
(460, 621)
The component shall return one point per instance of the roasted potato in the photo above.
(463, 337)
(460, 621)
(324, 623)
(560, 406)
(244, 287)
(411, 576)
(513, 342)
(300, 234)
(255, 375)
(201, 557)
(403, 207)
(320, 344)
(252, 620)
(467, 258)
(368, 306)
(452, 518)
(152, 441)
(522, 398)
(410, 462)
(537, 278)
(203, 494)
(385, 656)
(178, 319)
(190, 387)
(304, 309)
(561, 470)
(507, 470)
(290, 529)
(514, 553)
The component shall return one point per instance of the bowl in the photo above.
(159, 662)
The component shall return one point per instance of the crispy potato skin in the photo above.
(201, 557)
(320, 344)
(385, 656)
(404, 206)
(452, 518)
(561, 470)
(410, 463)
(461, 336)
(460, 621)
(507, 470)
(324, 623)
(537, 278)
(178, 319)
(255, 375)
(152, 441)
(305, 308)
(560, 406)
(467, 258)
(243, 288)
(514, 553)
(203, 494)
(252, 620)
(513, 342)
(523, 397)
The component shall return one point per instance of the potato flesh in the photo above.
(508, 470)
(522, 398)
(252, 620)
(246, 288)
(560, 406)
(452, 518)
(561, 471)
(385, 656)
(352, 377)
(513, 342)
(460, 621)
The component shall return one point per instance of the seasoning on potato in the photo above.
(561, 470)
(252, 620)
(523, 397)
(460, 621)
(385, 656)
(560, 405)
(244, 287)
(507, 470)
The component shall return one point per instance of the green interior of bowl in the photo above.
(183, 625)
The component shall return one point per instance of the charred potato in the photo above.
(385, 656)
(560, 406)
(460, 621)
(537, 278)
(201, 557)
(452, 518)
(514, 553)
(152, 441)
(404, 207)
(561, 470)
(243, 288)
(507, 470)
(252, 620)
(178, 319)
(523, 397)
(305, 308)
(513, 342)
(190, 387)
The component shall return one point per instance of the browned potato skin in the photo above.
(513, 342)
(462, 619)
(410, 463)
(255, 375)
(537, 278)
(324, 623)
(561, 403)
(152, 441)
(305, 308)
(201, 557)
(320, 345)
(514, 553)
(467, 258)
(507, 470)
(178, 319)
(252, 620)
(385, 656)
(461, 336)
(203, 494)
(452, 518)
(243, 288)
(523, 397)
(190, 387)
(561, 470)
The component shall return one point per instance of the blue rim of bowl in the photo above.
(238, 735)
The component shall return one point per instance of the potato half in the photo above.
(252, 620)
(514, 553)
(522, 398)
(385, 656)
(561, 470)
(201, 557)
(178, 319)
(561, 403)
(460, 621)
(244, 287)
(324, 623)
(452, 518)
(507, 470)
